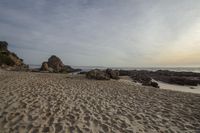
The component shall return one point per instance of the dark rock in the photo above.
(171, 77)
(178, 74)
(124, 73)
(183, 81)
(82, 72)
(155, 84)
(114, 74)
(3, 46)
(141, 78)
(97, 74)
(180, 78)
(102, 74)
(69, 69)
(6, 60)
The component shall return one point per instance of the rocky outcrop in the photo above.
(144, 79)
(97, 74)
(180, 78)
(154, 84)
(171, 77)
(114, 74)
(55, 64)
(103, 74)
(45, 66)
(3, 46)
(10, 60)
(125, 72)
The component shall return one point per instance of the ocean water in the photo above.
(177, 69)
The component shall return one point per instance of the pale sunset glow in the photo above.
(114, 33)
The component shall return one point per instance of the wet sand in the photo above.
(191, 89)
(58, 103)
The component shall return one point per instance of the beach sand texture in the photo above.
(57, 103)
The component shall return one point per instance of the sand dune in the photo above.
(57, 103)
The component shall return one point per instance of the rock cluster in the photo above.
(180, 78)
(171, 77)
(103, 74)
(54, 64)
(10, 60)
(144, 79)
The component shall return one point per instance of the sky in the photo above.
(113, 33)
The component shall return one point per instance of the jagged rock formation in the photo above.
(10, 60)
(55, 64)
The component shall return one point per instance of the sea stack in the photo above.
(55, 64)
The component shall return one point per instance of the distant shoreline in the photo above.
(177, 69)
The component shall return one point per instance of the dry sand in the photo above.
(42, 102)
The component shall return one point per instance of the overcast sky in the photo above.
(131, 33)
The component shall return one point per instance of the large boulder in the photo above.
(55, 63)
(114, 74)
(97, 74)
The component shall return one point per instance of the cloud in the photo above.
(106, 32)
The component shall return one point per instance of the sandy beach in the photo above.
(60, 103)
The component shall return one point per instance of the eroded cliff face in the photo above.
(8, 58)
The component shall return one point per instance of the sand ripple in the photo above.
(33, 102)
